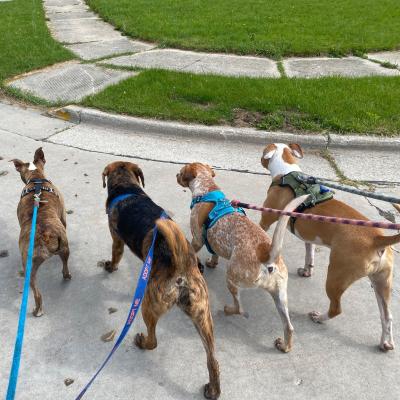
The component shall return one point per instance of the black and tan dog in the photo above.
(51, 235)
(175, 277)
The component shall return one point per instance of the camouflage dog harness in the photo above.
(301, 186)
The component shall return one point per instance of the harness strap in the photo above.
(37, 188)
(300, 186)
(222, 207)
(118, 199)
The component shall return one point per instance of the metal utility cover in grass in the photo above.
(93, 50)
(320, 67)
(69, 82)
(200, 63)
(392, 57)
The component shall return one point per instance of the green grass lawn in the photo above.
(344, 105)
(25, 42)
(269, 27)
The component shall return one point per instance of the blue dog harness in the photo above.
(222, 207)
(117, 199)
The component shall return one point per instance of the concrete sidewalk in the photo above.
(336, 360)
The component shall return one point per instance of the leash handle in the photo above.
(12, 383)
(136, 302)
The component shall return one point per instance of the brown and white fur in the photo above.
(253, 262)
(356, 252)
(51, 236)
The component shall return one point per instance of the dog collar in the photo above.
(118, 199)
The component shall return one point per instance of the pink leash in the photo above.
(320, 218)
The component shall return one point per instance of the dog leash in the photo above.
(12, 383)
(136, 301)
(320, 218)
(345, 188)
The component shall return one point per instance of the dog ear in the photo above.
(296, 150)
(138, 173)
(212, 171)
(269, 151)
(39, 156)
(104, 174)
(18, 164)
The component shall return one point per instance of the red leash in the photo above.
(320, 218)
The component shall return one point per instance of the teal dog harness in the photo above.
(222, 207)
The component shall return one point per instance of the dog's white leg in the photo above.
(306, 272)
(280, 299)
(382, 293)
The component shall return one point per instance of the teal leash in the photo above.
(12, 383)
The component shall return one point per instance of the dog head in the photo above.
(122, 172)
(191, 171)
(29, 170)
(280, 159)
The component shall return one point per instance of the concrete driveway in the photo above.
(336, 360)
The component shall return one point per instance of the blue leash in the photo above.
(136, 302)
(12, 383)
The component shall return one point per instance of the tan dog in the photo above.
(356, 252)
(246, 246)
(51, 235)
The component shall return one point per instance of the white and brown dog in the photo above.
(356, 252)
(253, 262)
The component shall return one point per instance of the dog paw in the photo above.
(108, 267)
(281, 345)
(211, 264)
(142, 342)
(210, 393)
(37, 313)
(315, 316)
(305, 272)
(386, 346)
(231, 310)
(67, 277)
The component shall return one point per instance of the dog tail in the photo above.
(380, 242)
(271, 256)
(176, 241)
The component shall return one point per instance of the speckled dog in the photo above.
(253, 262)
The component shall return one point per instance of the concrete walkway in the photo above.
(338, 360)
(91, 39)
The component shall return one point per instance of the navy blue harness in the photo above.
(222, 207)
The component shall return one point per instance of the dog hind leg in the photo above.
(337, 281)
(38, 310)
(152, 310)
(382, 287)
(193, 300)
(64, 255)
(212, 262)
(280, 299)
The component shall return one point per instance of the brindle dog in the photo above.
(175, 277)
(51, 234)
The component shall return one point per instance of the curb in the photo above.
(95, 117)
